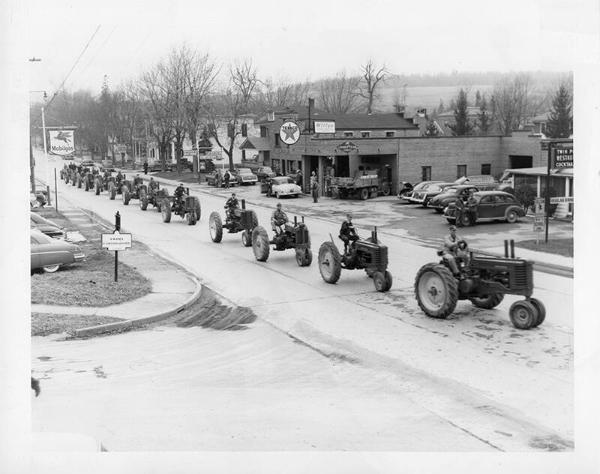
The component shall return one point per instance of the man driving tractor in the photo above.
(348, 233)
(455, 249)
(231, 205)
(179, 193)
(152, 185)
(278, 219)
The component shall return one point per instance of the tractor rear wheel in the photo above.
(488, 301)
(165, 209)
(112, 191)
(364, 194)
(260, 244)
(97, 186)
(126, 195)
(523, 314)
(215, 227)
(330, 262)
(143, 203)
(436, 290)
(541, 309)
(303, 257)
(247, 238)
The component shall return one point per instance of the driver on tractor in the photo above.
(455, 251)
(119, 178)
(137, 180)
(179, 193)
(152, 186)
(348, 233)
(231, 205)
(278, 220)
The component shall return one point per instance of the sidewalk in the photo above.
(173, 289)
(545, 261)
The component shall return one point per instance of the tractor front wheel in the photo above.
(541, 309)
(330, 262)
(215, 227)
(190, 217)
(303, 257)
(247, 238)
(126, 195)
(436, 290)
(197, 209)
(260, 244)
(382, 281)
(112, 191)
(523, 314)
(488, 301)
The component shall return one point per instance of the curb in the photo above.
(133, 323)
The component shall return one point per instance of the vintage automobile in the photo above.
(216, 178)
(424, 195)
(451, 194)
(407, 196)
(49, 254)
(283, 186)
(488, 206)
(245, 176)
(46, 226)
(264, 172)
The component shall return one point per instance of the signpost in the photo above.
(116, 241)
(560, 156)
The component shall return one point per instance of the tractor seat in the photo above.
(289, 228)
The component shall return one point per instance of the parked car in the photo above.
(46, 226)
(489, 206)
(245, 176)
(88, 163)
(156, 166)
(206, 165)
(424, 195)
(451, 194)
(284, 186)
(407, 196)
(50, 254)
(264, 172)
(216, 178)
(484, 182)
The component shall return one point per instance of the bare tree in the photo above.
(371, 77)
(511, 103)
(244, 80)
(340, 95)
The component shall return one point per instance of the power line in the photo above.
(98, 51)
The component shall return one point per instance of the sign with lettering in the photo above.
(289, 132)
(322, 126)
(116, 241)
(538, 224)
(347, 147)
(61, 142)
(562, 158)
(539, 206)
(558, 200)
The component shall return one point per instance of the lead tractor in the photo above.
(153, 196)
(239, 220)
(188, 208)
(287, 236)
(482, 280)
(368, 254)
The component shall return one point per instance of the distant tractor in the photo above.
(368, 254)
(484, 281)
(288, 236)
(241, 220)
(115, 186)
(153, 196)
(187, 208)
(131, 190)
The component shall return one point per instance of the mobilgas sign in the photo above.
(61, 142)
(562, 158)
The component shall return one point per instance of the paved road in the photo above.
(509, 389)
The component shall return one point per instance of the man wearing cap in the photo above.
(450, 250)
(231, 205)
(348, 233)
(179, 192)
(278, 219)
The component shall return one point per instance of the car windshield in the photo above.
(282, 180)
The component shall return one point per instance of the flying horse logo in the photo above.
(61, 142)
(63, 136)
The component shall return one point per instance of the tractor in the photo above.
(88, 180)
(132, 190)
(188, 208)
(287, 236)
(241, 220)
(115, 186)
(482, 280)
(152, 196)
(368, 254)
(101, 183)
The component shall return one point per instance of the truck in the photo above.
(364, 185)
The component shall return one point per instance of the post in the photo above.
(55, 192)
(117, 228)
(46, 154)
(31, 167)
(547, 202)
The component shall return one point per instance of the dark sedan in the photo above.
(50, 254)
(487, 206)
(451, 194)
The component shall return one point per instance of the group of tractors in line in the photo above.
(482, 280)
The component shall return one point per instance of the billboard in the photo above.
(62, 142)
(322, 126)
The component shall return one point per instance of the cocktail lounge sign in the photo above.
(562, 157)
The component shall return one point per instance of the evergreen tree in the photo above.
(478, 98)
(560, 122)
(462, 125)
(483, 117)
(440, 108)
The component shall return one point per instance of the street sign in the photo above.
(558, 200)
(116, 241)
(538, 224)
(539, 206)
(289, 132)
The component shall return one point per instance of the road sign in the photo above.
(539, 206)
(116, 241)
(538, 224)
(558, 200)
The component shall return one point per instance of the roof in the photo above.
(256, 143)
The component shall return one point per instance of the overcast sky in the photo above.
(307, 39)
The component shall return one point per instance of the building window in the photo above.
(461, 170)
(263, 131)
(277, 140)
(244, 155)
(425, 173)
(486, 169)
(365, 134)
(348, 134)
(390, 134)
